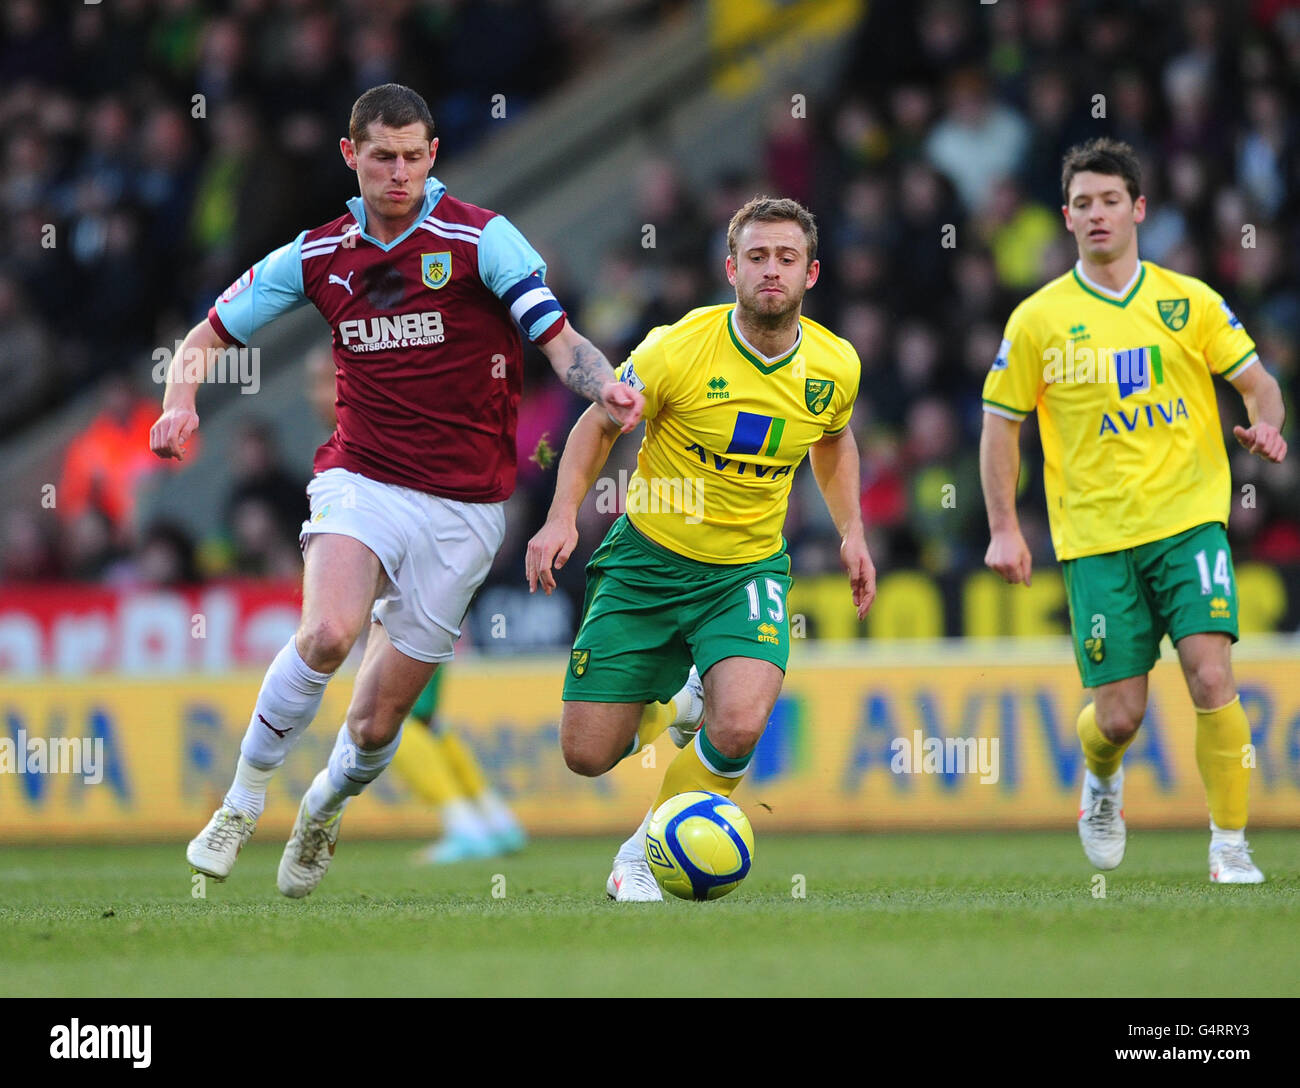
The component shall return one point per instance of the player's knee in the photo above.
(584, 760)
(733, 739)
(1119, 724)
(324, 643)
(1211, 685)
(371, 732)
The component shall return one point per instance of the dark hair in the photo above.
(390, 104)
(1114, 158)
(767, 209)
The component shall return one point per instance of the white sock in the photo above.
(461, 818)
(248, 791)
(688, 708)
(1226, 836)
(351, 770)
(495, 812)
(1104, 785)
(635, 846)
(290, 696)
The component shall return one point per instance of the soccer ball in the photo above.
(699, 845)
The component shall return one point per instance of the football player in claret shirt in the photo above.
(1118, 358)
(696, 569)
(422, 292)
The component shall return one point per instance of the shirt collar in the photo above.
(433, 190)
(798, 339)
(1120, 294)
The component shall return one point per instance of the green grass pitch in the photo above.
(887, 914)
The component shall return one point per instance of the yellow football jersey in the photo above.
(1132, 444)
(725, 430)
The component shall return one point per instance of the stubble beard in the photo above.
(751, 313)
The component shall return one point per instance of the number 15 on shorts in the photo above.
(775, 595)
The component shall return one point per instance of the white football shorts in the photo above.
(435, 551)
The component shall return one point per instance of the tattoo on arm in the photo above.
(588, 371)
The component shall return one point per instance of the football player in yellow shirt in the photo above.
(696, 569)
(1117, 357)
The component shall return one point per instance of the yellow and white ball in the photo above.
(699, 845)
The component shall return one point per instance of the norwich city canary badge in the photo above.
(1095, 649)
(578, 662)
(1173, 312)
(817, 394)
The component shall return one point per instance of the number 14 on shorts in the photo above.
(1221, 576)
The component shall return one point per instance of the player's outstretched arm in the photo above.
(179, 420)
(1266, 410)
(585, 370)
(836, 468)
(1008, 553)
(585, 454)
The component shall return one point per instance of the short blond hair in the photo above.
(769, 209)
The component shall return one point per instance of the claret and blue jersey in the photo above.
(428, 355)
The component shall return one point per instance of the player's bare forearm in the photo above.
(179, 420)
(838, 473)
(588, 370)
(1267, 412)
(1000, 470)
(1008, 554)
(198, 342)
(583, 367)
(578, 363)
(585, 452)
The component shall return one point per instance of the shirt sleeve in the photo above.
(1016, 379)
(270, 288)
(515, 272)
(1228, 347)
(646, 370)
(844, 412)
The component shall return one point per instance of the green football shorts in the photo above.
(1122, 603)
(650, 613)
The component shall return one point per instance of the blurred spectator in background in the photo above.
(163, 559)
(322, 388)
(107, 462)
(27, 375)
(27, 548)
(978, 141)
(265, 507)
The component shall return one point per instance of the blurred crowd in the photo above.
(933, 166)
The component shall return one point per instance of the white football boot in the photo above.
(1230, 863)
(213, 851)
(307, 856)
(684, 732)
(1101, 823)
(631, 881)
